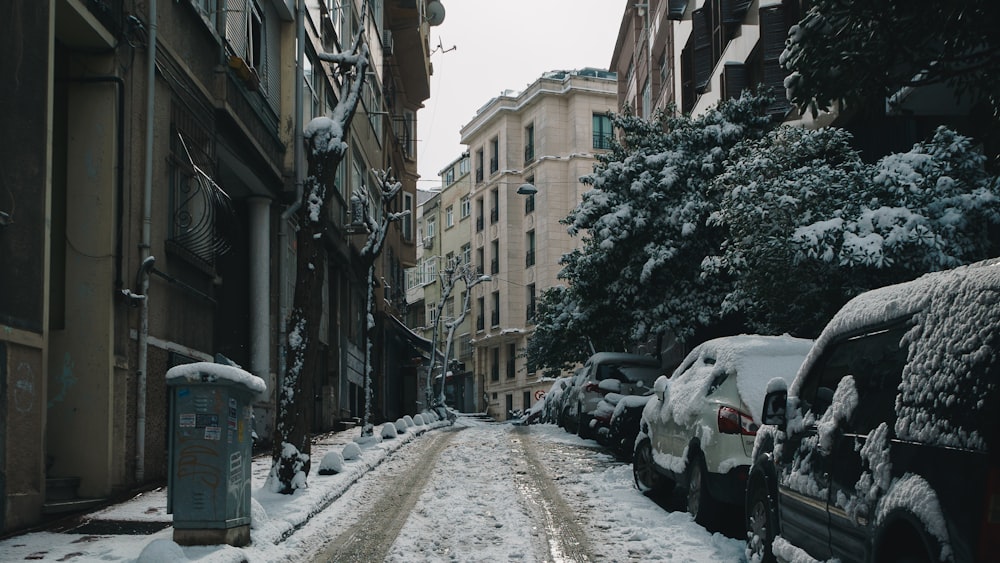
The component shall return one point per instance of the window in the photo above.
(465, 207)
(773, 31)
(494, 155)
(529, 144)
(531, 299)
(495, 257)
(529, 200)
(480, 210)
(481, 259)
(481, 317)
(407, 222)
(467, 254)
(312, 82)
(479, 166)
(647, 98)
(463, 166)
(876, 361)
(449, 308)
(526, 401)
(449, 176)
(373, 106)
(511, 359)
(530, 254)
(404, 129)
(495, 319)
(494, 206)
(431, 228)
(602, 131)
(449, 217)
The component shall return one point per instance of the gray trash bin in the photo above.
(211, 450)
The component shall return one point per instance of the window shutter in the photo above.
(733, 11)
(773, 32)
(236, 27)
(676, 9)
(734, 80)
(702, 54)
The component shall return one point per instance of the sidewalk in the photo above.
(140, 529)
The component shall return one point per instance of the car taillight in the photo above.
(732, 421)
(989, 534)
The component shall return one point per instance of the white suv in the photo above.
(698, 431)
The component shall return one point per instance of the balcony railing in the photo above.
(494, 165)
(495, 318)
(495, 372)
(495, 266)
(529, 154)
(480, 323)
(602, 141)
(479, 175)
(494, 215)
(529, 259)
(530, 313)
(510, 369)
(529, 204)
(480, 223)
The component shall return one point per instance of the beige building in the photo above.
(546, 136)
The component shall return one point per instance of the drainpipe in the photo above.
(144, 252)
(283, 227)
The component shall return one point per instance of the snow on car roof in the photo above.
(953, 345)
(756, 359)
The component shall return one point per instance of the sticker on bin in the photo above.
(213, 433)
(187, 420)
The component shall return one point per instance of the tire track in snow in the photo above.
(372, 536)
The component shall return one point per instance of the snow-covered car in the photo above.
(552, 402)
(698, 430)
(624, 424)
(886, 445)
(603, 373)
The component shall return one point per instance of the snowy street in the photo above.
(496, 492)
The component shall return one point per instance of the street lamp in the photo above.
(527, 189)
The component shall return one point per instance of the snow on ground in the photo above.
(470, 509)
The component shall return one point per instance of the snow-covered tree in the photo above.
(810, 225)
(448, 275)
(644, 225)
(566, 332)
(326, 145)
(377, 226)
(471, 277)
(844, 50)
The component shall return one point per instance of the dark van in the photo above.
(885, 446)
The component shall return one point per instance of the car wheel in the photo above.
(699, 503)
(761, 523)
(647, 478)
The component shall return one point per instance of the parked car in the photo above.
(552, 402)
(624, 424)
(886, 445)
(698, 430)
(603, 373)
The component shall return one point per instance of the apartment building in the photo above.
(444, 224)
(528, 150)
(146, 221)
(695, 53)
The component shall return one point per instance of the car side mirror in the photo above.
(776, 404)
(660, 388)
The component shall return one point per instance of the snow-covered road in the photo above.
(495, 492)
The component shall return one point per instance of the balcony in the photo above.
(602, 141)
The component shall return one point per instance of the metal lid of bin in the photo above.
(210, 372)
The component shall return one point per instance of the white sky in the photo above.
(503, 45)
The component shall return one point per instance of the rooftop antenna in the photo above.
(440, 48)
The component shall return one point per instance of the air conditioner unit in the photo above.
(387, 41)
(428, 242)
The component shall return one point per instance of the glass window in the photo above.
(602, 131)
(465, 207)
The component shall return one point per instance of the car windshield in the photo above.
(629, 373)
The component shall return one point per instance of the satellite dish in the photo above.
(435, 12)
